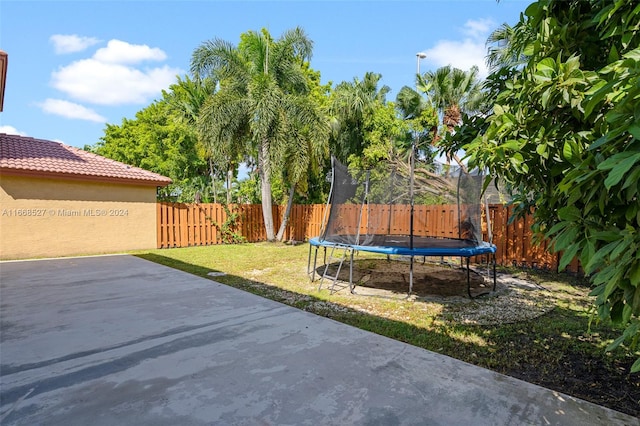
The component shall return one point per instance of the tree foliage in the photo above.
(185, 100)
(565, 134)
(452, 91)
(421, 117)
(156, 141)
(350, 105)
(368, 130)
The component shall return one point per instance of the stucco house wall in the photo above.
(60, 212)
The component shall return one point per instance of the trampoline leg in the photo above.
(494, 272)
(351, 286)
(468, 279)
(411, 276)
(309, 263)
(315, 262)
(326, 267)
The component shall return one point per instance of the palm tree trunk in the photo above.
(265, 187)
(213, 181)
(450, 127)
(460, 163)
(229, 174)
(287, 212)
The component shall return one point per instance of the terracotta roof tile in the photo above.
(38, 157)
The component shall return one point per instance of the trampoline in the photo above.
(430, 211)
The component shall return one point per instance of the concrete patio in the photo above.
(118, 340)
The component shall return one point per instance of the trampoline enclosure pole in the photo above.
(413, 165)
(390, 199)
(323, 225)
(364, 201)
(411, 182)
(458, 205)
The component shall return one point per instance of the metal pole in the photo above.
(411, 276)
(351, 285)
(419, 55)
(364, 200)
(323, 225)
(469, 280)
(413, 165)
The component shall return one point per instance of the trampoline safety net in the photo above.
(436, 205)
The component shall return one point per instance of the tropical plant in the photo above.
(505, 47)
(453, 92)
(185, 98)
(350, 104)
(421, 118)
(157, 142)
(565, 132)
(306, 149)
(261, 102)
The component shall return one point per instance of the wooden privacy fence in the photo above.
(185, 225)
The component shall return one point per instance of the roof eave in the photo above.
(83, 177)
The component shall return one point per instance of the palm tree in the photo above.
(186, 99)
(416, 110)
(306, 147)
(423, 122)
(300, 157)
(350, 103)
(453, 92)
(261, 99)
(506, 45)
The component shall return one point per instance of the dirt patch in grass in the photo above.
(512, 300)
(429, 279)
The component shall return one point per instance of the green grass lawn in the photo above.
(562, 349)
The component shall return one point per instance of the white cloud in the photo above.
(479, 29)
(459, 54)
(10, 130)
(464, 54)
(71, 43)
(70, 110)
(102, 83)
(121, 52)
(109, 77)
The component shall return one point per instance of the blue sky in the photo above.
(75, 66)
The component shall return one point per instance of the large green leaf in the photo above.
(569, 213)
(568, 256)
(635, 53)
(617, 173)
(634, 274)
(546, 68)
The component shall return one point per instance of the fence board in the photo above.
(171, 231)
